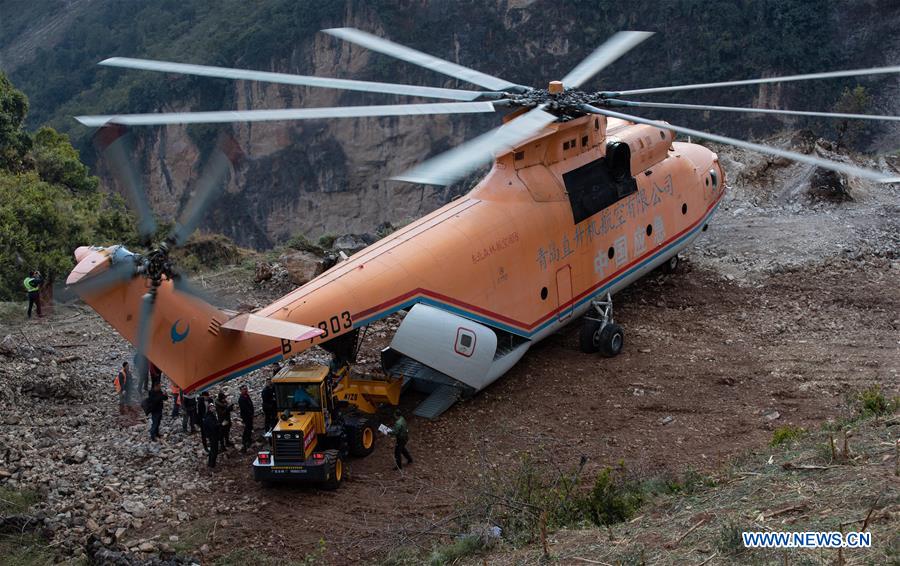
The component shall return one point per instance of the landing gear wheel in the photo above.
(612, 340)
(671, 265)
(589, 336)
(335, 468)
(362, 438)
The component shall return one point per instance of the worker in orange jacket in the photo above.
(121, 383)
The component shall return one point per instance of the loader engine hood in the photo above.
(294, 437)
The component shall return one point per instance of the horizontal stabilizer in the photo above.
(272, 327)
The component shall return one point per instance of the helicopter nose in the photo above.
(81, 252)
(88, 259)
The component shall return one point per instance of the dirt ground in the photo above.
(784, 308)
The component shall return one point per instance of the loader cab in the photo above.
(299, 397)
(301, 390)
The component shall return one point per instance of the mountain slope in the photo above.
(330, 176)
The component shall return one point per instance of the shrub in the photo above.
(613, 499)
(730, 540)
(872, 402)
(785, 434)
(462, 547)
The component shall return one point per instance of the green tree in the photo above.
(14, 142)
(58, 162)
(49, 203)
(852, 101)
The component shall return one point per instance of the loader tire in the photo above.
(589, 336)
(612, 340)
(335, 466)
(362, 437)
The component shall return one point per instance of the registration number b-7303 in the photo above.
(335, 324)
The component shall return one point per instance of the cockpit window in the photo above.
(298, 396)
(715, 177)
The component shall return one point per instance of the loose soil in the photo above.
(717, 355)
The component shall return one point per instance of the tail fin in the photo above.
(191, 341)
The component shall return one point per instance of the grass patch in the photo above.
(326, 242)
(25, 550)
(613, 499)
(15, 502)
(785, 434)
(730, 542)
(11, 312)
(872, 402)
(465, 546)
(302, 243)
(245, 556)
(191, 536)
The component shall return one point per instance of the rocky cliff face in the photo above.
(332, 176)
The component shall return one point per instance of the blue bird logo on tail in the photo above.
(179, 336)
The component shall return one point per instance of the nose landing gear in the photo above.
(599, 333)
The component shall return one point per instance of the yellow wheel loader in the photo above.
(324, 416)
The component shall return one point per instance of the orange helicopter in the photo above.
(581, 201)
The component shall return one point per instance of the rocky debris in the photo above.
(103, 555)
(264, 271)
(351, 243)
(829, 185)
(301, 266)
(9, 346)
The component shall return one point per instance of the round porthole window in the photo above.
(611, 253)
(543, 293)
(649, 229)
(684, 208)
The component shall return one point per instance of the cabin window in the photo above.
(465, 342)
(596, 123)
(519, 155)
(714, 176)
(593, 187)
(584, 141)
(565, 146)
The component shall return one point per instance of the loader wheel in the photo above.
(362, 438)
(612, 340)
(335, 468)
(671, 265)
(589, 336)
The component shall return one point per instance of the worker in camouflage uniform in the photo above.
(400, 432)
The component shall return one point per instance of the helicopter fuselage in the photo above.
(578, 211)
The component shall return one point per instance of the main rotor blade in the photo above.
(183, 285)
(616, 46)
(283, 78)
(456, 163)
(810, 76)
(632, 103)
(415, 57)
(793, 156)
(112, 142)
(160, 119)
(117, 273)
(145, 322)
(209, 186)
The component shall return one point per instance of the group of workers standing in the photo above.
(213, 417)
